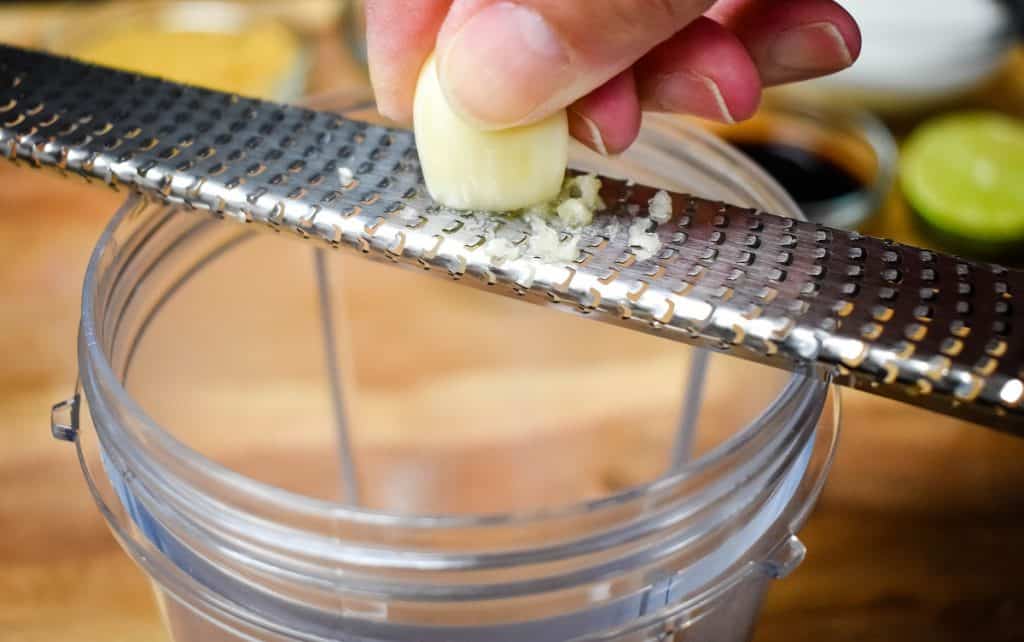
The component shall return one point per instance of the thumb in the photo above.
(504, 62)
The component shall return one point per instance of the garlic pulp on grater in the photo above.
(346, 176)
(643, 242)
(579, 199)
(501, 250)
(660, 207)
(572, 209)
(554, 225)
(468, 168)
(546, 241)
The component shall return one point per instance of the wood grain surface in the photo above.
(919, 535)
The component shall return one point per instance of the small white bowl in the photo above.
(917, 53)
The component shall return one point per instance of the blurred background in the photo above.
(917, 536)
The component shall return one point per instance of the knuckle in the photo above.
(679, 12)
(662, 14)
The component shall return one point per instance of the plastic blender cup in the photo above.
(298, 444)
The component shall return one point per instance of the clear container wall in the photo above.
(455, 401)
(732, 618)
(332, 377)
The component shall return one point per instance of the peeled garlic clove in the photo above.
(469, 168)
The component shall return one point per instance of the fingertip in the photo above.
(393, 102)
(744, 101)
(607, 120)
(793, 40)
(400, 34)
(585, 130)
(703, 71)
(395, 112)
(850, 31)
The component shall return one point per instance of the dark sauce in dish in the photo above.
(807, 176)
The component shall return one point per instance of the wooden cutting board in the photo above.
(917, 537)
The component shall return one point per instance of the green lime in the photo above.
(964, 175)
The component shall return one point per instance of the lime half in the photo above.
(964, 175)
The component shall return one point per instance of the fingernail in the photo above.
(692, 93)
(815, 47)
(585, 130)
(504, 64)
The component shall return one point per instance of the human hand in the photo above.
(504, 63)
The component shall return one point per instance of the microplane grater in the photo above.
(923, 327)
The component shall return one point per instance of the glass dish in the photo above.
(850, 140)
(480, 470)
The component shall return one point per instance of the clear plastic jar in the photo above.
(482, 470)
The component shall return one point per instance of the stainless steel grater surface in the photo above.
(927, 328)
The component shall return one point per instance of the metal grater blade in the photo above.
(923, 327)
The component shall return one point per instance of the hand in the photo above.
(504, 63)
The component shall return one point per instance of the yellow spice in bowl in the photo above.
(256, 62)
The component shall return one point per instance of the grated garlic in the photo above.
(589, 187)
(576, 203)
(409, 214)
(611, 231)
(345, 175)
(545, 243)
(643, 243)
(573, 209)
(500, 250)
(660, 207)
(575, 213)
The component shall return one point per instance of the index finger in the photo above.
(400, 34)
(792, 40)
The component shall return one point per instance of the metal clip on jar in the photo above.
(498, 490)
